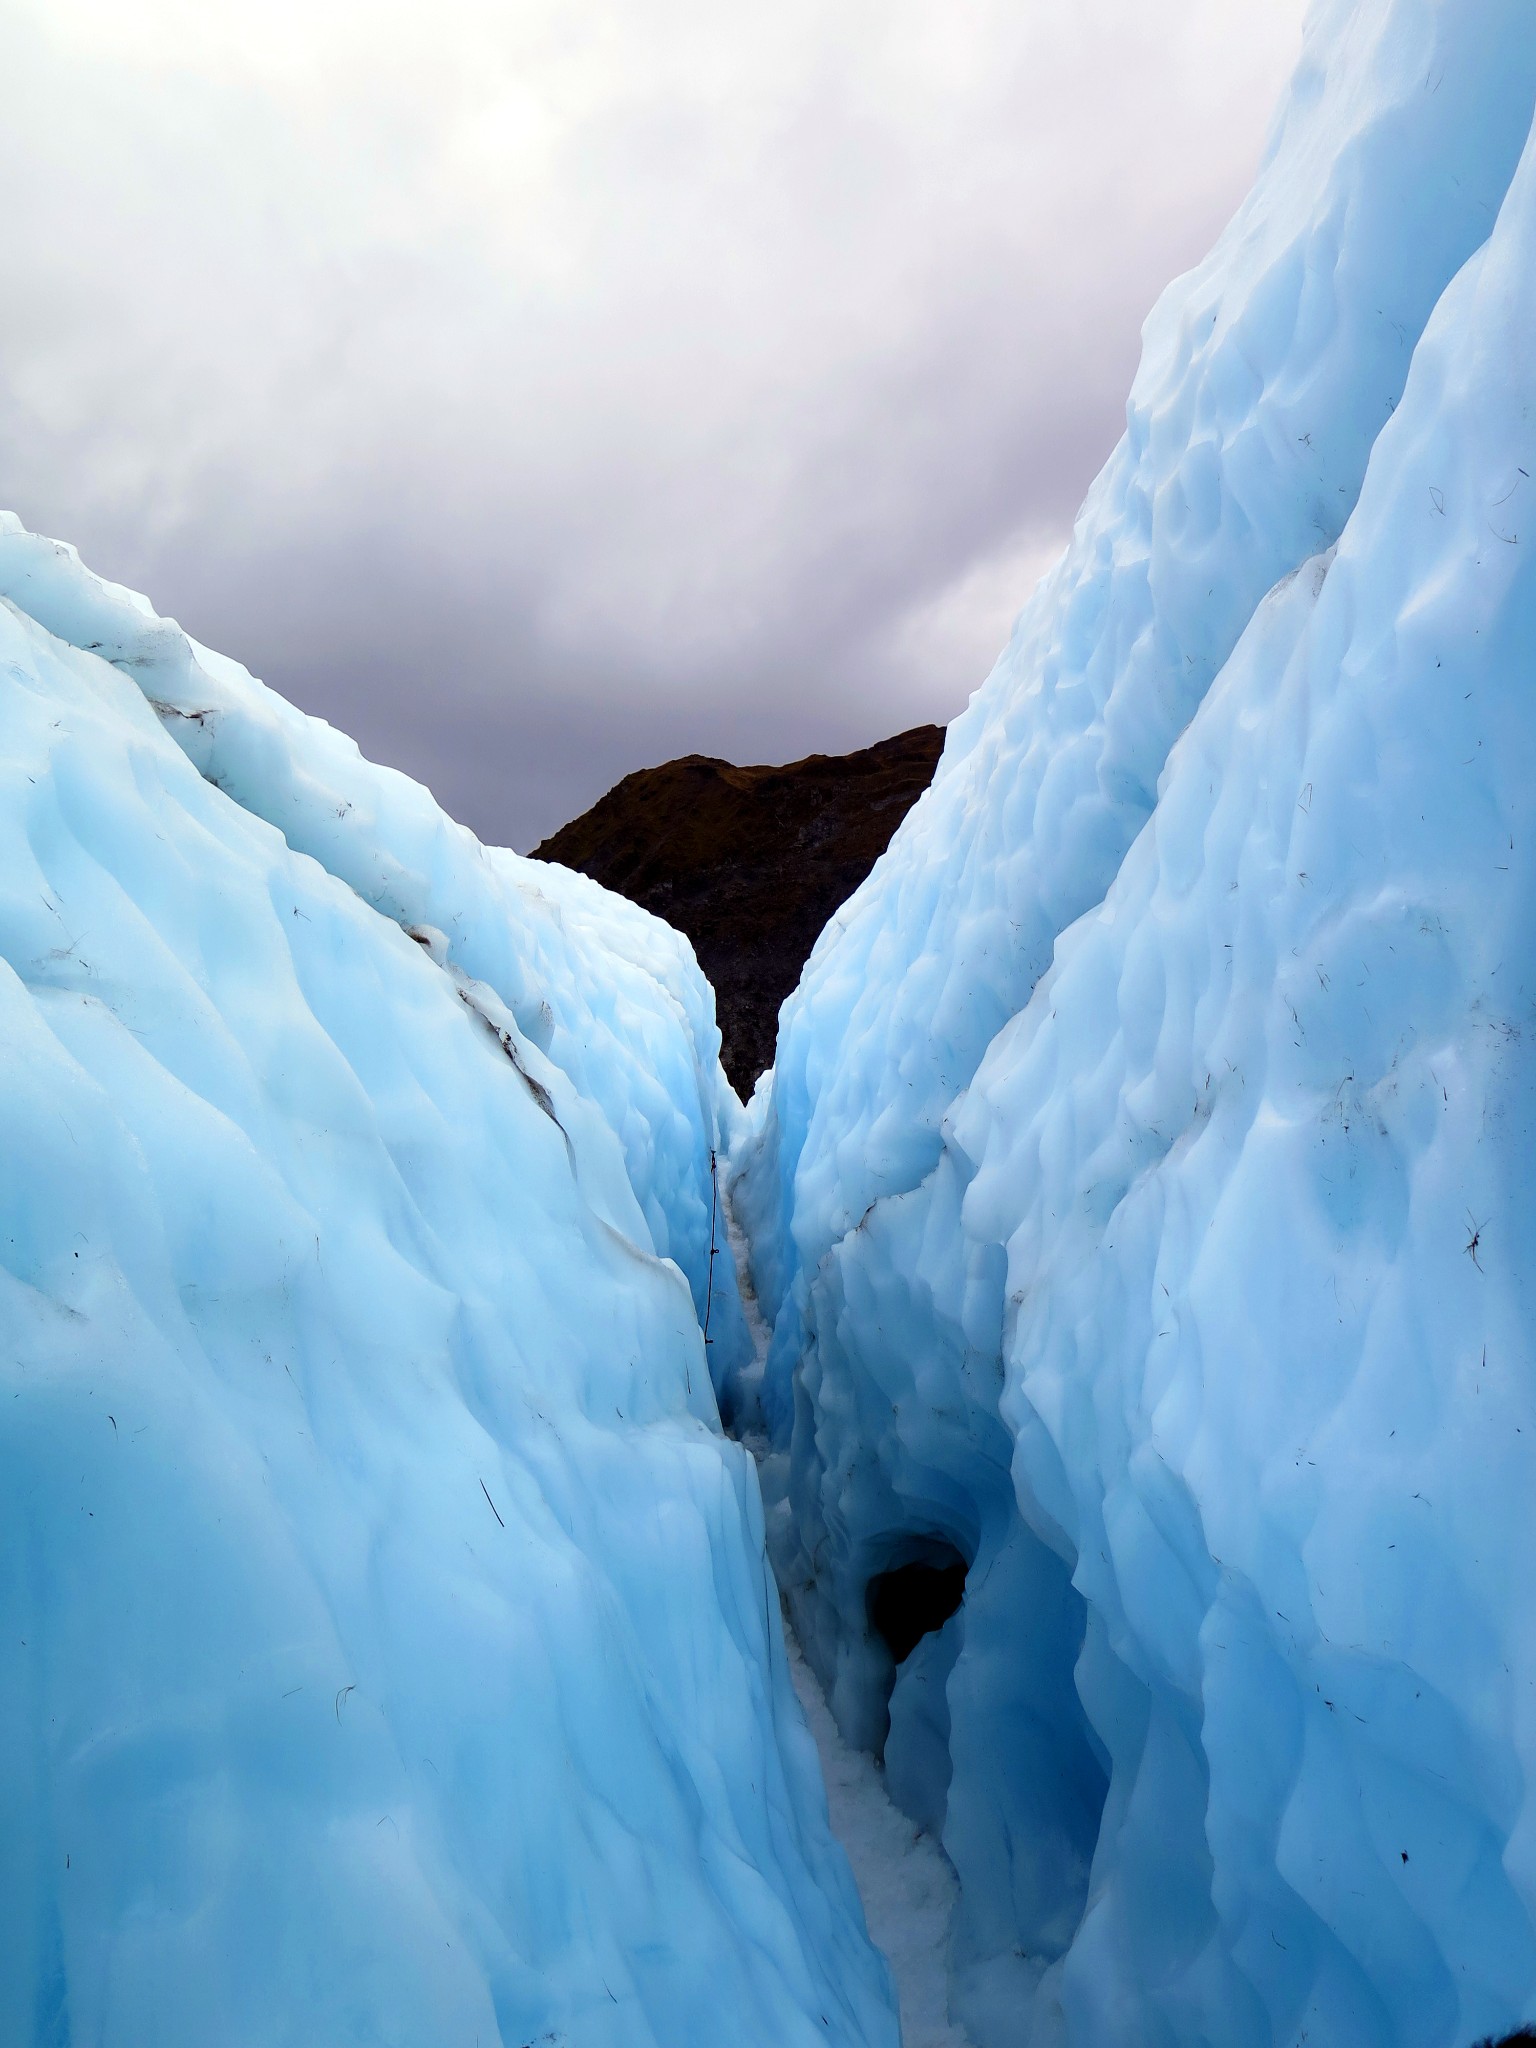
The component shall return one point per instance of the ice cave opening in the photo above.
(915, 1599)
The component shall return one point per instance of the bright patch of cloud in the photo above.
(599, 375)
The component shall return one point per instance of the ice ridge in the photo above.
(1155, 1287)
(387, 1653)
(610, 994)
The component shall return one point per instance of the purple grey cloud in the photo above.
(540, 392)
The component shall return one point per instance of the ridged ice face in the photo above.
(1267, 375)
(1057, 1288)
(612, 995)
(1259, 1156)
(388, 1654)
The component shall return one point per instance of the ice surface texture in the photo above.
(386, 1650)
(613, 996)
(1184, 1292)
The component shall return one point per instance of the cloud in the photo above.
(540, 391)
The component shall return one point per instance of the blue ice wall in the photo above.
(387, 1653)
(1148, 1749)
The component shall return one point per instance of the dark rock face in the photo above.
(750, 863)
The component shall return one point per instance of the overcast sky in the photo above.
(542, 388)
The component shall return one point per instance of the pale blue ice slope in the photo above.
(1185, 1294)
(386, 1649)
(611, 994)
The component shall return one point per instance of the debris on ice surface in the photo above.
(387, 1654)
(1180, 1291)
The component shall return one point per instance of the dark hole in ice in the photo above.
(915, 1599)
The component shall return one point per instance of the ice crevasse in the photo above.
(1142, 1192)
(387, 1653)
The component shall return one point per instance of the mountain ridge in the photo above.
(749, 862)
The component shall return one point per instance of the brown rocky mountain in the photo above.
(750, 863)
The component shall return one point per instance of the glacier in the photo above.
(1142, 1432)
(1140, 1195)
(389, 1650)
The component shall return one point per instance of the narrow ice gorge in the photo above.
(1144, 1442)
(389, 1653)
(1140, 1195)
